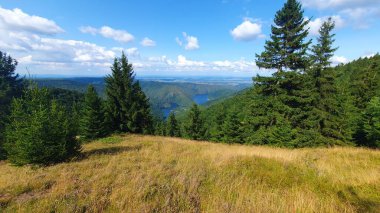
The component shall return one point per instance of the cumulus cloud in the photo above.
(247, 31)
(17, 21)
(316, 24)
(147, 42)
(190, 43)
(108, 32)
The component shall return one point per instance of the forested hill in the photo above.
(358, 83)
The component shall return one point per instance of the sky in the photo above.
(168, 37)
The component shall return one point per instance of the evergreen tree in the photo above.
(11, 86)
(40, 131)
(194, 127)
(128, 108)
(92, 121)
(326, 105)
(141, 118)
(232, 129)
(283, 99)
(370, 125)
(323, 51)
(286, 49)
(172, 127)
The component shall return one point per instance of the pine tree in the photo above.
(172, 127)
(287, 50)
(194, 127)
(40, 130)
(92, 121)
(128, 108)
(11, 86)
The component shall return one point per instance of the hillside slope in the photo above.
(155, 174)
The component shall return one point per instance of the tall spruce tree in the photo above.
(326, 105)
(92, 120)
(141, 117)
(282, 101)
(128, 108)
(172, 126)
(194, 127)
(286, 49)
(11, 86)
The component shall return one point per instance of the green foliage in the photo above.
(172, 126)
(11, 86)
(370, 124)
(232, 129)
(128, 108)
(92, 120)
(40, 131)
(194, 127)
(286, 48)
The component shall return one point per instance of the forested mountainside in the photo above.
(358, 84)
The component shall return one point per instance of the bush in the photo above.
(40, 131)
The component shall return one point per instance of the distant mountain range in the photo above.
(165, 93)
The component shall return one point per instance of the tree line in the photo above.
(305, 102)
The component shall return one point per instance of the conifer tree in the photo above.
(141, 117)
(323, 51)
(370, 124)
(282, 101)
(128, 108)
(286, 49)
(194, 127)
(92, 121)
(11, 86)
(172, 127)
(232, 129)
(328, 111)
(40, 130)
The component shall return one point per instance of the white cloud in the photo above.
(147, 42)
(191, 42)
(178, 41)
(182, 61)
(358, 13)
(336, 60)
(247, 31)
(316, 24)
(18, 21)
(108, 32)
(133, 52)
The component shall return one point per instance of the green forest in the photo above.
(303, 101)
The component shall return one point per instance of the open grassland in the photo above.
(156, 174)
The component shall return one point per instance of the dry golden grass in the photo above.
(156, 174)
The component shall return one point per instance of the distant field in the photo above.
(156, 174)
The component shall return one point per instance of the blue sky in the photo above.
(168, 37)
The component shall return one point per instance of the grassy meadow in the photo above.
(134, 173)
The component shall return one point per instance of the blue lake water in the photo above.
(200, 99)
